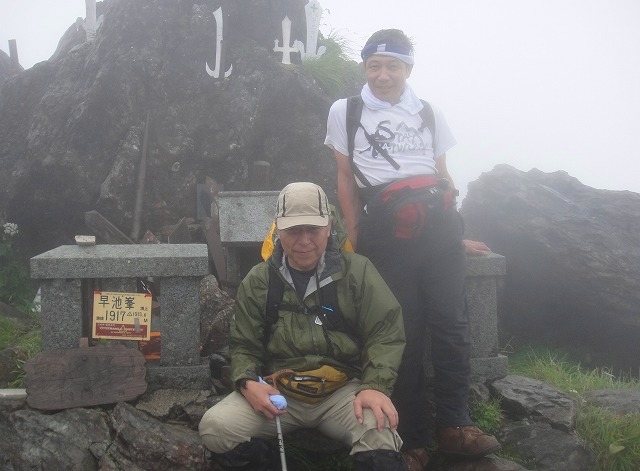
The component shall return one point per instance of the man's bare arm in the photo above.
(348, 197)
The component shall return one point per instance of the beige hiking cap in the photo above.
(302, 204)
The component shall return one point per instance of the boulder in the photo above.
(33, 440)
(144, 442)
(572, 253)
(547, 449)
(524, 398)
(216, 308)
(539, 425)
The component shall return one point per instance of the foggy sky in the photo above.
(547, 84)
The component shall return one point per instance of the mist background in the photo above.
(552, 85)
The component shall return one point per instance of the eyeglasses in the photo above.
(299, 230)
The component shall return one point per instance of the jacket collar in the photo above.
(328, 268)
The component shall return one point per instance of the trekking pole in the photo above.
(281, 403)
(283, 459)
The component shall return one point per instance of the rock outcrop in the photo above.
(159, 432)
(72, 128)
(573, 257)
(5, 66)
(215, 316)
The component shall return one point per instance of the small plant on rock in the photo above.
(334, 71)
(487, 415)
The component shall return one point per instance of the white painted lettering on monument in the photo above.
(286, 49)
(313, 12)
(91, 24)
(219, 29)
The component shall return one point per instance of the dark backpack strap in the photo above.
(428, 119)
(354, 111)
(330, 312)
(275, 291)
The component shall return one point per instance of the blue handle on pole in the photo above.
(277, 400)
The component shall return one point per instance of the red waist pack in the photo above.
(409, 203)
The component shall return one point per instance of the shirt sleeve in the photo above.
(337, 127)
(444, 138)
(246, 343)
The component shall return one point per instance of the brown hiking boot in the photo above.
(416, 459)
(467, 441)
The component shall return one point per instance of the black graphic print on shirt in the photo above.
(404, 139)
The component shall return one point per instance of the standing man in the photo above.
(334, 312)
(398, 201)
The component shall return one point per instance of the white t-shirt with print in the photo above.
(396, 131)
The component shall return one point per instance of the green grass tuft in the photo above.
(8, 332)
(615, 439)
(25, 340)
(555, 368)
(334, 71)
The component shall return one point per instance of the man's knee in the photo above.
(374, 439)
(214, 443)
(214, 430)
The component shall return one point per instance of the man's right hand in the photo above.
(257, 394)
(380, 405)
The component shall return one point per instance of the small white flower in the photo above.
(10, 229)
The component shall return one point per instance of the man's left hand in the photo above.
(380, 405)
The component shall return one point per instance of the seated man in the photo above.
(359, 334)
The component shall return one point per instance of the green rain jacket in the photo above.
(371, 351)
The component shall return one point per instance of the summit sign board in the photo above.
(121, 316)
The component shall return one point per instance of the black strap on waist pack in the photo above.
(328, 311)
(354, 113)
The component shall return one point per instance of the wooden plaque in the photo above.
(90, 376)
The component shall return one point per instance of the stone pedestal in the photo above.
(485, 274)
(175, 268)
